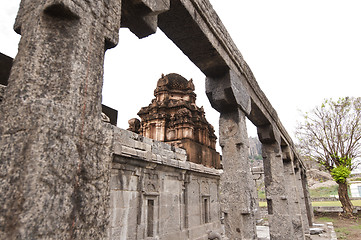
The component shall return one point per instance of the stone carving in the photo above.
(134, 125)
(173, 117)
(141, 16)
(151, 183)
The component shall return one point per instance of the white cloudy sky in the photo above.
(300, 51)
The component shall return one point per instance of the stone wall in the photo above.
(157, 194)
(56, 152)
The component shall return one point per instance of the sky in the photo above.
(300, 51)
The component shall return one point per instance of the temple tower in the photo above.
(174, 117)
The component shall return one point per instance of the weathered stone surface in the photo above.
(54, 150)
(292, 193)
(278, 203)
(141, 16)
(303, 208)
(154, 151)
(307, 197)
(2, 92)
(235, 190)
(173, 117)
(315, 231)
(228, 92)
(228, 96)
(176, 194)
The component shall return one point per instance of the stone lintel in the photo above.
(190, 25)
(141, 16)
(228, 92)
(196, 29)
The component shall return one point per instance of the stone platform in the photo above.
(318, 232)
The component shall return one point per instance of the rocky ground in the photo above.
(345, 228)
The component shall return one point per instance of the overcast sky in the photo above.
(300, 51)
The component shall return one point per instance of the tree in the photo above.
(330, 135)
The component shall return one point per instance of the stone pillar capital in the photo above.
(106, 13)
(268, 134)
(287, 153)
(228, 92)
(141, 16)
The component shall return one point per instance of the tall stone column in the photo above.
(293, 195)
(256, 175)
(308, 201)
(236, 181)
(305, 220)
(280, 221)
(228, 96)
(55, 151)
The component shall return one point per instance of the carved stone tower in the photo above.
(174, 117)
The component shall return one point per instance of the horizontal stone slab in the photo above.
(131, 145)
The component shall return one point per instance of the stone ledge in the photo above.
(131, 145)
(333, 209)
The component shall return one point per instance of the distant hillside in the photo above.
(255, 149)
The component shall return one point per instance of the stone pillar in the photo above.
(236, 181)
(55, 151)
(228, 96)
(256, 175)
(280, 221)
(305, 221)
(306, 192)
(293, 195)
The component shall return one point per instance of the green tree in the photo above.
(330, 135)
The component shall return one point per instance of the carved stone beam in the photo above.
(228, 93)
(141, 16)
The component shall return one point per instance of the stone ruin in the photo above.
(66, 174)
(173, 117)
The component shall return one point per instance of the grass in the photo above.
(324, 191)
(261, 194)
(323, 204)
(319, 192)
(325, 219)
(334, 203)
(346, 228)
(355, 179)
(315, 193)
